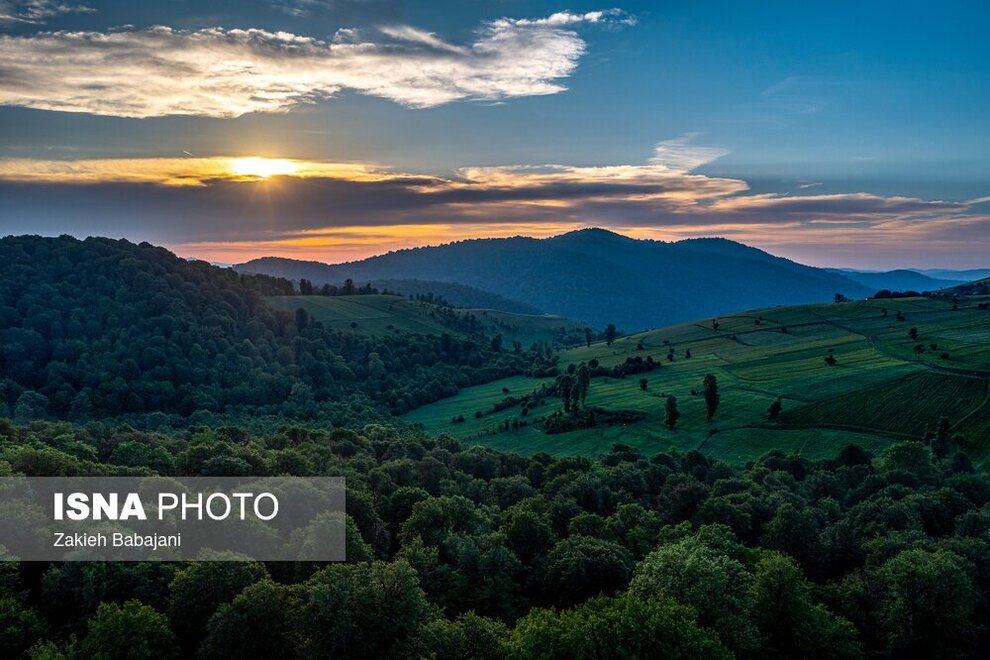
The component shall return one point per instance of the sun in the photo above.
(262, 168)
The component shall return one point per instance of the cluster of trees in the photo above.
(467, 552)
(884, 294)
(102, 328)
(348, 288)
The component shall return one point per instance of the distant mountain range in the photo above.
(597, 275)
(899, 280)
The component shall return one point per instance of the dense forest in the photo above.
(101, 328)
(468, 553)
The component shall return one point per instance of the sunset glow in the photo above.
(263, 168)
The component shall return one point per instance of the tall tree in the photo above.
(672, 414)
(583, 378)
(610, 333)
(711, 395)
(775, 408)
(588, 336)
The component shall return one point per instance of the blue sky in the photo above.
(851, 134)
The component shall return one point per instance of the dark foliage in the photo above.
(101, 328)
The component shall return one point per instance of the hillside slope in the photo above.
(882, 387)
(599, 276)
(385, 315)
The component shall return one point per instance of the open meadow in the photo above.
(899, 366)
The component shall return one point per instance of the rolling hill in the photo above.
(598, 276)
(384, 315)
(455, 294)
(882, 387)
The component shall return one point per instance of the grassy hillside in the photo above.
(880, 389)
(386, 314)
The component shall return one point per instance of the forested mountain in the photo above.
(898, 280)
(599, 276)
(103, 328)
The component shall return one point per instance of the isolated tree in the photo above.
(643, 383)
(687, 353)
(672, 414)
(913, 333)
(841, 298)
(566, 385)
(588, 336)
(941, 443)
(830, 360)
(610, 333)
(715, 324)
(583, 381)
(711, 395)
(775, 408)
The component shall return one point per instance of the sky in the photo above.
(836, 134)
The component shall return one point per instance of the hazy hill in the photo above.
(898, 280)
(598, 276)
(958, 275)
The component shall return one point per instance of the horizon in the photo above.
(330, 262)
(338, 131)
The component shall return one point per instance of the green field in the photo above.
(880, 389)
(387, 314)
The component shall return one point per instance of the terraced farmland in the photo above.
(884, 384)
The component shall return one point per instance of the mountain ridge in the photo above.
(598, 275)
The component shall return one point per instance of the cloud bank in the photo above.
(215, 208)
(219, 72)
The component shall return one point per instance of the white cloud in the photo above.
(561, 18)
(36, 11)
(679, 155)
(221, 72)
